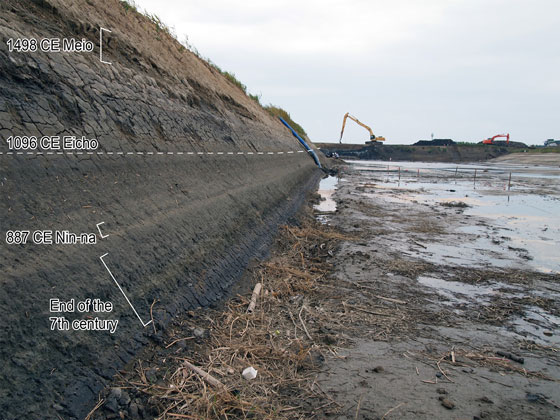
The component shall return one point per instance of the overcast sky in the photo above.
(460, 69)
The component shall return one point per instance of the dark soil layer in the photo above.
(182, 227)
(452, 153)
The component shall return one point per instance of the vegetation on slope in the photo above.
(275, 111)
(279, 112)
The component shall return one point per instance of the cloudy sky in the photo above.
(460, 69)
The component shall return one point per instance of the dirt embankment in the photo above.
(452, 153)
(190, 179)
(541, 159)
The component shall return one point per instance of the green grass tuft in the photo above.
(256, 98)
(279, 112)
(129, 6)
(231, 77)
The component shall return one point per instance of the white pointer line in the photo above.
(141, 153)
(99, 229)
(101, 45)
(145, 324)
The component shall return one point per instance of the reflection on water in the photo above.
(327, 205)
(327, 187)
(538, 325)
(459, 292)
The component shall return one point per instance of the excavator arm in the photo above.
(491, 139)
(371, 135)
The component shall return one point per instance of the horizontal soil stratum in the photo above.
(190, 181)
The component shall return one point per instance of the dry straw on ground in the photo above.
(282, 338)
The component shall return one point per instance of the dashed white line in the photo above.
(139, 153)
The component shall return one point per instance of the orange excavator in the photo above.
(491, 139)
(372, 136)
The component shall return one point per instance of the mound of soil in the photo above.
(423, 153)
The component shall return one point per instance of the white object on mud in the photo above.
(249, 373)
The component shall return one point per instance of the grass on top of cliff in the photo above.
(279, 112)
(161, 27)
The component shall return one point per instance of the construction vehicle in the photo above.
(372, 137)
(491, 139)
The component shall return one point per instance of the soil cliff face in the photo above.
(190, 180)
(451, 153)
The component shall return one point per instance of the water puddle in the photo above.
(483, 251)
(534, 324)
(457, 292)
(327, 187)
(529, 215)
(538, 325)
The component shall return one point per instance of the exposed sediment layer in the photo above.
(190, 180)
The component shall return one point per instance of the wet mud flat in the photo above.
(469, 270)
(359, 317)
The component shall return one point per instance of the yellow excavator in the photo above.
(372, 137)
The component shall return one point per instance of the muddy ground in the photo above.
(363, 317)
(453, 299)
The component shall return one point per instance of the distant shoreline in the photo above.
(541, 159)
